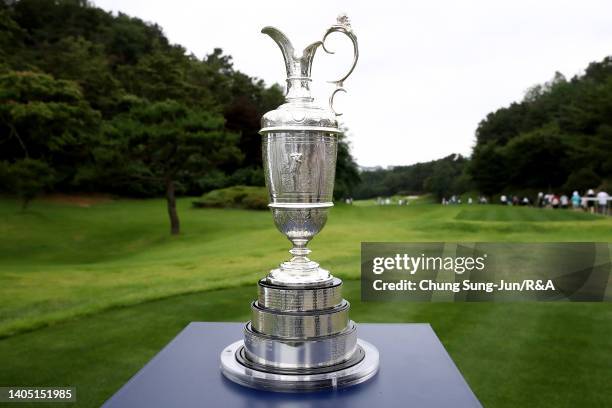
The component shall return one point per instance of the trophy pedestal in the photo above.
(415, 371)
(300, 339)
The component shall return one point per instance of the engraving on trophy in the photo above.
(296, 158)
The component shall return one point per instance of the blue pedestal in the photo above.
(415, 371)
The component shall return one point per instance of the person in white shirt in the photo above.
(602, 200)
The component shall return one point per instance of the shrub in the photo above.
(248, 197)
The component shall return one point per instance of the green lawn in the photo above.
(88, 295)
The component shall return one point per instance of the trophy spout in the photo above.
(298, 68)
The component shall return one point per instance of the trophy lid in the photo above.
(295, 116)
(300, 112)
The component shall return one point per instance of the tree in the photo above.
(559, 129)
(44, 124)
(536, 159)
(27, 178)
(71, 73)
(440, 182)
(79, 60)
(488, 168)
(347, 173)
(244, 100)
(168, 142)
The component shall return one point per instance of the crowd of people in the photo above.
(600, 202)
(592, 202)
(457, 200)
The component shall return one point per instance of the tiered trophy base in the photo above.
(240, 370)
(300, 339)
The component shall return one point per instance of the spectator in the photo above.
(564, 201)
(469, 200)
(554, 201)
(590, 202)
(503, 199)
(525, 201)
(540, 200)
(515, 200)
(576, 200)
(602, 201)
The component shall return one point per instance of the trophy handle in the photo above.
(342, 25)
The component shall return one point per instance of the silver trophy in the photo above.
(300, 337)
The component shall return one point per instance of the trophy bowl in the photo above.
(300, 167)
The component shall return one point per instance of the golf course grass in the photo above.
(90, 294)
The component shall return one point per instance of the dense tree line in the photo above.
(559, 138)
(441, 177)
(91, 101)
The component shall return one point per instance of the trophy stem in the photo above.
(299, 270)
(299, 251)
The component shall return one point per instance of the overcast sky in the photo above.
(428, 72)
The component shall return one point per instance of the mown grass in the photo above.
(521, 214)
(88, 295)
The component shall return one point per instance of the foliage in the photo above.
(443, 177)
(347, 172)
(167, 142)
(27, 178)
(71, 76)
(559, 136)
(47, 129)
(247, 197)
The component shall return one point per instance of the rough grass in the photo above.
(88, 295)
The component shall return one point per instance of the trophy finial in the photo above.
(343, 20)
